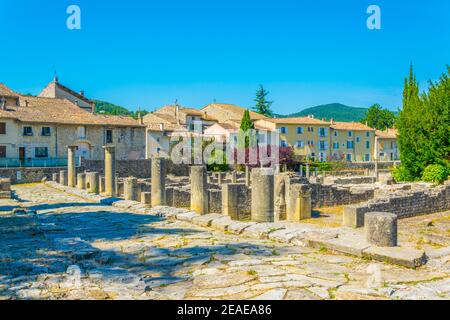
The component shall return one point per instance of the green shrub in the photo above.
(435, 173)
(401, 174)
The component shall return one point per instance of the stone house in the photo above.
(351, 141)
(173, 121)
(56, 90)
(41, 128)
(226, 112)
(386, 145)
(308, 136)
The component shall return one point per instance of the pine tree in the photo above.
(245, 137)
(262, 104)
(379, 118)
(424, 126)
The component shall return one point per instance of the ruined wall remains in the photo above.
(407, 203)
(5, 188)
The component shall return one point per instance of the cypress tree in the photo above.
(262, 104)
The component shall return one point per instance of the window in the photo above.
(323, 145)
(358, 139)
(284, 143)
(335, 145)
(310, 143)
(41, 152)
(2, 151)
(109, 136)
(335, 133)
(81, 132)
(27, 131)
(2, 128)
(310, 129)
(367, 134)
(299, 130)
(262, 138)
(349, 144)
(367, 144)
(300, 144)
(348, 157)
(283, 130)
(46, 131)
(323, 132)
(322, 157)
(350, 134)
(367, 157)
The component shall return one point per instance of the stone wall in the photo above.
(407, 203)
(28, 175)
(5, 188)
(333, 195)
(350, 180)
(133, 168)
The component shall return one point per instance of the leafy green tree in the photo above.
(424, 126)
(262, 104)
(379, 118)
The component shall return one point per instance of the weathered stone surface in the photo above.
(406, 257)
(262, 195)
(381, 229)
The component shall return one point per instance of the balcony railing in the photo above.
(35, 162)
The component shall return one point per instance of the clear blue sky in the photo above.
(149, 53)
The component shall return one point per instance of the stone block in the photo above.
(353, 216)
(381, 229)
(146, 198)
(410, 258)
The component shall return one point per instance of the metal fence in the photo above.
(35, 162)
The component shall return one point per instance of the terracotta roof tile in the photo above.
(387, 134)
(298, 120)
(7, 92)
(350, 126)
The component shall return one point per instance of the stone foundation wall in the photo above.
(332, 195)
(5, 188)
(408, 203)
(133, 168)
(350, 180)
(28, 175)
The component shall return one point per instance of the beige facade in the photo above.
(386, 145)
(352, 142)
(56, 90)
(43, 128)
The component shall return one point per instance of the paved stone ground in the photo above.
(73, 249)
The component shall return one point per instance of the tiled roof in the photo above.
(236, 110)
(60, 111)
(297, 120)
(153, 122)
(7, 92)
(387, 134)
(350, 126)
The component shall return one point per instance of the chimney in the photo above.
(26, 103)
(332, 121)
(82, 93)
(3, 104)
(177, 113)
(324, 120)
(161, 126)
(205, 115)
(367, 124)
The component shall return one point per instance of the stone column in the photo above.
(299, 203)
(101, 183)
(262, 195)
(130, 189)
(63, 177)
(110, 171)
(233, 177)
(219, 178)
(230, 198)
(199, 195)
(307, 171)
(81, 181)
(158, 190)
(71, 169)
(280, 197)
(381, 229)
(146, 198)
(55, 177)
(376, 171)
(94, 179)
(301, 171)
(247, 176)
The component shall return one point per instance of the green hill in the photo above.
(103, 107)
(336, 111)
